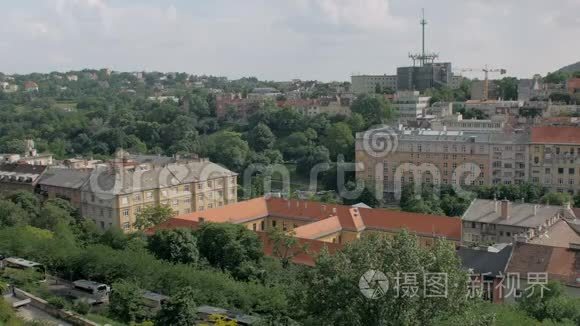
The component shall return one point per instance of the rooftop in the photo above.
(329, 218)
(556, 135)
(520, 214)
(561, 234)
(560, 263)
(64, 178)
(483, 261)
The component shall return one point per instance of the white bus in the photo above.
(100, 292)
(23, 264)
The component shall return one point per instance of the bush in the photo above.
(81, 307)
(57, 302)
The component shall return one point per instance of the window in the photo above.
(509, 234)
(536, 160)
(149, 195)
(254, 226)
(262, 226)
(571, 171)
(126, 225)
(560, 170)
(186, 188)
(175, 202)
(199, 186)
(164, 193)
(126, 212)
(274, 223)
(137, 197)
(209, 183)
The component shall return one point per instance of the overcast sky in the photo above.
(281, 40)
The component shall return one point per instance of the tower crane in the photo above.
(486, 70)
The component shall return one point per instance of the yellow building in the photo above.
(114, 195)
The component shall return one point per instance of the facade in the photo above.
(329, 223)
(17, 177)
(477, 90)
(235, 106)
(421, 78)
(555, 158)
(501, 221)
(63, 183)
(409, 105)
(368, 83)
(330, 106)
(456, 82)
(456, 123)
(492, 108)
(508, 158)
(116, 194)
(262, 93)
(425, 156)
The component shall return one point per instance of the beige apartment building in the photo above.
(114, 195)
(436, 157)
(547, 155)
(555, 158)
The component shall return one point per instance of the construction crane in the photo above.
(486, 70)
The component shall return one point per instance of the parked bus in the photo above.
(98, 291)
(27, 265)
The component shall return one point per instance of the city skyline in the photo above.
(324, 40)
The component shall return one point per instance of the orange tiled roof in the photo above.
(235, 213)
(556, 135)
(319, 229)
(342, 217)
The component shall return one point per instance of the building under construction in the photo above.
(425, 73)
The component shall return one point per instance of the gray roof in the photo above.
(151, 159)
(482, 261)
(106, 180)
(521, 214)
(64, 178)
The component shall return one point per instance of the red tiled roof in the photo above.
(560, 263)
(237, 212)
(347, 217)
(555, 135)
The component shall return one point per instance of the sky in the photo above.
(282, 40)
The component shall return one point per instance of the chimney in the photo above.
(334, 210)
(495, 204)
(505, 209)
(535, 210)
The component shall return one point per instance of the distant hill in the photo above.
(571, 68)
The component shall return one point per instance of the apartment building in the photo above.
(409, 105)
(494, 107)
(508, 158)
(17, 177)
(114, 195)
(331, 106)
(426, 156)
(368, 83)
(501, 221)
(555, 158)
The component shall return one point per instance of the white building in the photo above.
(409, 105)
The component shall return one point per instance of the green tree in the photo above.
(230, 247)
(51, 214)
(322, 290)
(178, 246)
(508, 88)
(549, 302)
(126, 302)
(557, 198)
(12, 214)
(180, 310)
(285, 245)
(261, 138)
(153, 215)
(228, 148)
(374, 109)
(339, 139)
(27, 200)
